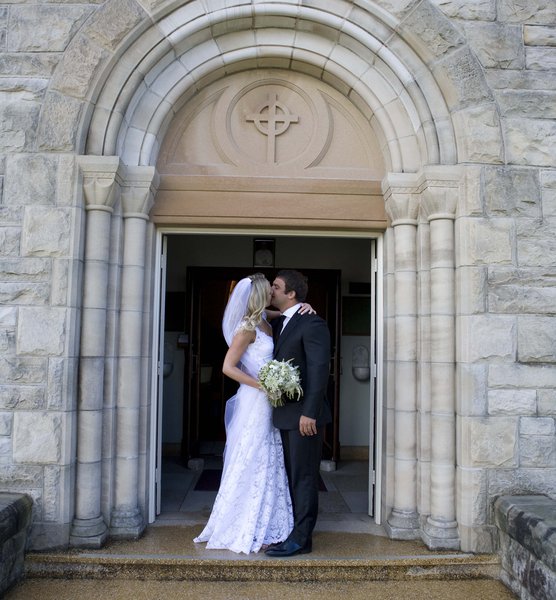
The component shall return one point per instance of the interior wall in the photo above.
(350, 255)
(355, 408)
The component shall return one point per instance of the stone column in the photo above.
(402, 207)
(440, 529)
(390, 372)
(88, 527)
(127, 520)
(423, 367)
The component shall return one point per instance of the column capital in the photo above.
(402, 208)
(441, 186)
(439, 202)
(99, 174)
(401, 194)
(138, 185)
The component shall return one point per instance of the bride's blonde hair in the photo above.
(258, 300)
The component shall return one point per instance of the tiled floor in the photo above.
(343, 507)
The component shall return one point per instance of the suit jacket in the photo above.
(306, 340)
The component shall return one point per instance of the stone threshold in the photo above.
(172, 567)
(167, 552)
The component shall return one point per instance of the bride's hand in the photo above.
(306, 308)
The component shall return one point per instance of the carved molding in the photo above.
(431, 194)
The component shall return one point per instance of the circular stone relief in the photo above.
(272, 122)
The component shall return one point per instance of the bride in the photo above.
(253, 508)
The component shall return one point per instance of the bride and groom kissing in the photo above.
(268, 495)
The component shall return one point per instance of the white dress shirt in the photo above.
(289, 313)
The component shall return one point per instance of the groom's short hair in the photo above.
(294, 282)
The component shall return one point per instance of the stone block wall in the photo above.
(506, 353)
(507, 258)
(528, 545)
(40, 282)
(15, 522)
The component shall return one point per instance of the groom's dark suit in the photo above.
(306, 340)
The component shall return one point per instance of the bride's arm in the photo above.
(239, 345)
(305, 308)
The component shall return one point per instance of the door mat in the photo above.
(209, 481)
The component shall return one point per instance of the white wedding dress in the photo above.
(253, 505)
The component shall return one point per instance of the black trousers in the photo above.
(302, 456)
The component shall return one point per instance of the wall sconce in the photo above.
(360, 366)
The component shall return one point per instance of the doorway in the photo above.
(199, 268)
(206, 389)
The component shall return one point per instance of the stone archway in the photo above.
(122, 79)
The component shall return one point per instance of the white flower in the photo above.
(279, 379)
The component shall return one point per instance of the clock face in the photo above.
(263, 257)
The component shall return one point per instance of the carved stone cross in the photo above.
(272, 118)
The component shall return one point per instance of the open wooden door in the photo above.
(206, 389)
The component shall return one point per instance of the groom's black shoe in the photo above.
(288, 548)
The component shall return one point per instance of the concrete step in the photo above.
(135, 589)
(168, 553)
(166, 568)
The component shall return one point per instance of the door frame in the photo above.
(377, 378)
(377, 359)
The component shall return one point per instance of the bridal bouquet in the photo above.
(279, 379)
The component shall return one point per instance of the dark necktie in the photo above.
(279, 324)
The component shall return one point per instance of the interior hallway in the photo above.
(342, 507)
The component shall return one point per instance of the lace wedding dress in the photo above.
(253, 505)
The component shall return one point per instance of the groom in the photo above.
(306, 340)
